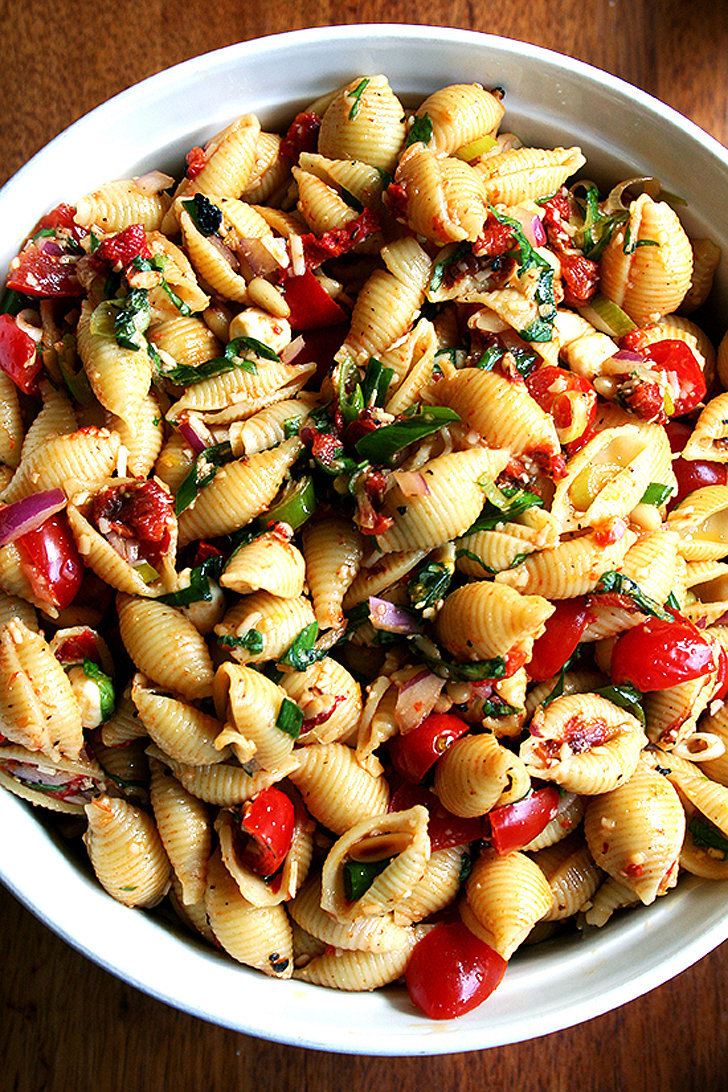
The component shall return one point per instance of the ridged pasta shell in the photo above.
(119, 377)
(648, 270)
(335, 789)
(524, 174)
(437, 889)
(330, 698)
(504, 898)
(142, 438)
(359, 970)
(701, 521)
(250, 704)
(183, 732)
(186, 338)
(483, 619)
(460, 113)
(471, 775)
(79, 460)
(11, 423)
(165, 646)
(269, 563)
(223, 785)
(60, 785)
(709, 438)
(184, 826)
(572, 875)
(635, 833)
(361, 180)
(126, 852)
(367, 126)
(571, 568)
(445, 199)
(117, 205)
(270, 426)
(583, 348)
(210, 264)
(381, 574)
(366, 934)
(278, 621)
(333, 549)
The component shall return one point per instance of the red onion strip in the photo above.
(417, 699)
(391, 618)
(197, 442)
(28, 514)
(412, 483)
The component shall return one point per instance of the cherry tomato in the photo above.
(139, 510)
(678, 433)
(721, 683)
(444, 829)
(62, 216)
(125, 246)
(658, 654)
(677, 360)
(51, 561)
(311, 305)
(37, 273)
(451, 971)
(564, 629)
(694, 473)
(269, 819)
(302, 136)
(415, 752)
(513, 826)
(18, 357)
(570, 399)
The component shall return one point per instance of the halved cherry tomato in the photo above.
(570, 399)
(269, 819)
(513, 826)
(62, 216)
(51, 561)
(18, 356)
(444, 829)
(415, 752)
(691, 474)
(721, 684)
(311, 305)
(38, 273)
(658, 654)
(677, 360)
(451, 971)
(563, 632)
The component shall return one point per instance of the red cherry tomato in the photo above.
(677, 360)
(513, 826)
(37, 273)
(444, 829)
(51, 561)
(694, 473)
(138, 510)
(415, 752)
(570, 399)
(269, 819)
(658, 654)
(564, 629)
(125, 246)
(678, 433)
(311, 305)
(721, 683)
(451, 971)
(62, 216)
(18, 357)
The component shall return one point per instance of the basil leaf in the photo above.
(429, 584)
(107, 697)
(498, 709)
(488, 359)
(466, 867)
(624, 585)
(421, 131)
(204, 469)
(358, 876)
(185, 375)
(627, 697)
(707, 836)
(375, 383)
(476, 671)
(301, 653)
(290, 718)
(542, 328)
(11, 302)
(438, 270)
(233, 349)
(519, 501)
(656, 494)
(379, 446)
(671, 601)
(132, 319)
(199, 589)
(252, 641)
(356, 95)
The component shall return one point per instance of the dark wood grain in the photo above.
(67, 1025)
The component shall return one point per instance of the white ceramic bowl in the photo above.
(550, 100)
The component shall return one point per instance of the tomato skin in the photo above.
(415, 752)
(302, 136)
(721, 685)
(444, 829)
(552, 388)
(18, 356)
(451, 971)
(40, 274)
(338, 241)
(513, 826)
(673, 355)
(139, 510)
(51, 561)
(692, 475)
(564, 629)
(311, 305)
(269, 819)
(658, 654)
(125, 246)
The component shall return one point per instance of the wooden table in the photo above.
(66, 1025)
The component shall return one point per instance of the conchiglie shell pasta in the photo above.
(647, 272)
(446, 200)
(571, 568)
(363, 181)
(401, 836)
(701, 521)
(572, 876)
(60, 785)
(330, 698)
(523, 174)
(183, 731)
(249, 703)
(709, 797)
(584, 743)
(504, 898)
(270, 426)
(252, 390)
(179, 275)
(186, 338)
(11, 423)
(143, 437)
(454, 500)
(320, 204)
(80, 460)
(223, 785)
(471, 775)
(366, 934)
(706, 258)
(230, 158)
(210, 264)
(174, 461)
(11, 606)
(118, 205)
(382, 573)
(568, 817)
(38, 709)
(240, 491)
(269, 563)
(293, 871)
(335, 789)
(460, 114)
(437, 889)
(333, 549)
(612, 895)
(360, 970)
(165, 646)
(364, 123)
(499, 549)
(709, 438)
(119, 377)
(184, 826)
(635, 833)
(501, 410)
(278, 621)
(483, 619)
(57, 418)
(270, 171)
(126, 852)
(256, 936)
(582, 347)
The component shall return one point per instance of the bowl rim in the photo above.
(410, 1035)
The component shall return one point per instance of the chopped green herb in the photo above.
(619, 583)
(475, 671)
(656, 494)
(490, 357)
(291, 426)
(356, 95)
(511, 502)
(466, 867)
(627, 697)
(421, 131)
(107, 697)
(301, 653)
(672, 601)
(132, 319)
(359, 876)
(199, 589)
(252, 641)
(629, 247)
(187, 374)
(439, 268)
(11, 302)
(94, 242)
(542, 328)
(382, 444)
(706, 835)
(429, 584)
(290, 718)
(203, 470)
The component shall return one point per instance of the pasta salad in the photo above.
(362, 537)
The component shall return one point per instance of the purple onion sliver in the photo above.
(391, 618)
(28, 514)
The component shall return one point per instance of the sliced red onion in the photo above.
(412, 483)
(258, 256)
(538, 231)
(391, 618)
(153, 182)
(224, 252)
(194, 436)
(628, 354)
(28, 514)
(532, 227)
(50, 246)
(417, 699)
(292, 349)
